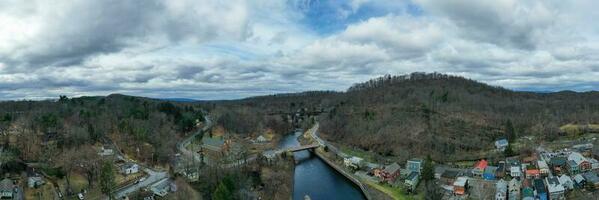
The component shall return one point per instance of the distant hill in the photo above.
(179, 99)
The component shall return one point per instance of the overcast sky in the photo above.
(215, 49)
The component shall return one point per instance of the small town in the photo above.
(299, 100)
(567, 173)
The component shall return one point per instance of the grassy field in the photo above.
(576, 129)
(394, 193)
(357, 152)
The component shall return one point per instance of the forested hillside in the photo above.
(448, 117)
(153, 126)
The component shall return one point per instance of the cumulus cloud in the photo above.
(239, 48)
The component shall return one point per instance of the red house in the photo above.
(390, 173)
(479, 167)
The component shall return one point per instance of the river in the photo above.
(313, 177)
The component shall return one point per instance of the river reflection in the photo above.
(313, 177)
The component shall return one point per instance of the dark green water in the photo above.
(313, 177)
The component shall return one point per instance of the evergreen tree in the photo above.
(222, 193)
(107, 182)
(428, 171)
(508, 150)
(510, 132)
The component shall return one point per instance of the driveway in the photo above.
(153, 177)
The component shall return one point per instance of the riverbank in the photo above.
(344, 173)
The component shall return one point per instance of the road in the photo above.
(153, 177)
(181, 145)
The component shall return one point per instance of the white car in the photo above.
(141, 180)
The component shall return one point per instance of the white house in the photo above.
(514, 188)
(106, 152)
(501, 144)
(566, 181)
(162, 187)
(543, 167)
(501, 190)
(515, 171)
(555, 188)
(353, 162)
(129, 168)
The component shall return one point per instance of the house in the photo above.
(566, 181)
(591, 180)
(412, 181)
(587, 147)
(390, 172)
(161, 188)
(105, 151)
(34, 179)
(489, 173)
(515, 171)
(439, 170)
(514, 188)
(578, 163)
(533, 173)
(129, 168)
(501, 190)
(528, 193)
(555, 189)
(541, 190)
(501, 144)
(543, 167)
(414, 165)
(6, 189)
(449, 177)
(579, 181)
(500, 173)
(479, 167)
(261, 139)
(594, 164)
(558, 164)
(460, 185)
(353, 162)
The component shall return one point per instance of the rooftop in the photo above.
(553, 185)
(6, 185)
(577, 158)
(461, 181)
(392, 168)
(482, 164)
(591, 177)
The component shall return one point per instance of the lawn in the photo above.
(45, 191)
(394, 193)
(357, 152)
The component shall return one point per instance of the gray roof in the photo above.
(412, 176)
(591, 177)
(392, 168)
(490, 169)
(214, 143)
(6, 185)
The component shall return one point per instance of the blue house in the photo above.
(490, 173)
(415, 165)
(501, 144)
(539, 186)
